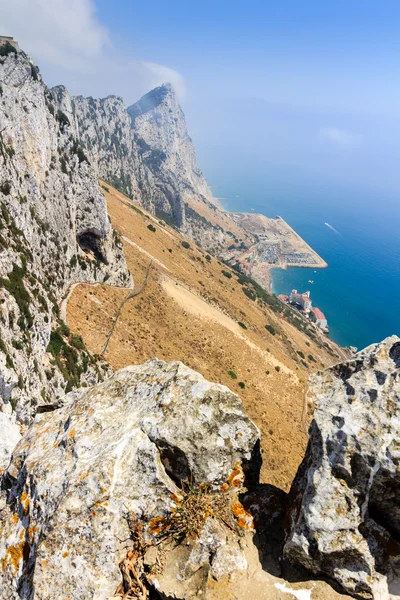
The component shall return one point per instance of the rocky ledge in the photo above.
(154, 452)
(137, 489)
(344, 519)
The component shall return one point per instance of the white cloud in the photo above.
(159, 74)
(339, 137)
(67, 40)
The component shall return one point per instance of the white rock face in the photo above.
(9, 437)
(120, 448)
(105, 130)
(54, 230)
(345, 509)
(169, 153)
(146, 152)
(159, 121)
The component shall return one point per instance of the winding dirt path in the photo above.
(128, 297)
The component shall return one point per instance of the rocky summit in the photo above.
(344, 519)
(146, 152)
(124, 454)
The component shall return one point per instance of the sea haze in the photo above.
(359, 292)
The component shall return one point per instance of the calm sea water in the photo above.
(359, 292)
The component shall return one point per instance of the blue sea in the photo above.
(359, 292)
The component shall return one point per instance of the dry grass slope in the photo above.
(191, 311)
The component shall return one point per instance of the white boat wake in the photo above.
(333, 229)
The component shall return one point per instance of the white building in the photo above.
(320, 318)
(302, 300)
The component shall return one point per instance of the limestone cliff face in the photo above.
(146, 152)
(168, 151)
(104, 129)
(54, 231)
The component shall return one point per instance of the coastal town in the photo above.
(276, 245)
(303, 303)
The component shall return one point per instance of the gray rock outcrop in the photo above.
(344, 520)
(119, 454)
(54, 230)
(9, 437)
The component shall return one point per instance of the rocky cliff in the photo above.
(155, 454)
(146, 152)
(54, 230)
(136, 488)
(344, 519)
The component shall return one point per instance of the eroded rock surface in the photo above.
(344, 519)
(9, 437)
(54, 231)
(122, 449)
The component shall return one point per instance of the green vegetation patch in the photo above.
(15, 286)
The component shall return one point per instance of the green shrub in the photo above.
(77, 342)
(7, 49)
(232, 374)
(242, 325)
(64, 330)
(300, 353)
(242, 384)
(271, 329)
(151, 227)
(208, 258)
(249, 293)
(277, 368)
(227, 274)
(55, 344)
(186, 245)
(15, 286)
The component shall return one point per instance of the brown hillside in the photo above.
(190, 311)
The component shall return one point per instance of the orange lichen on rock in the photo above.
(243, 518)
(158, 525)
(15, 554)
(25, 502)
(176, 498)
(236, 478)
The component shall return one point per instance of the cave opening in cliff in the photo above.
(90, 243)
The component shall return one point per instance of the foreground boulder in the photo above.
(344, 520)
(111, 466)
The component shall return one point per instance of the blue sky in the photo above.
(341, 54)
(309, 84)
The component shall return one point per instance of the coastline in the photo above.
(276, 245)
